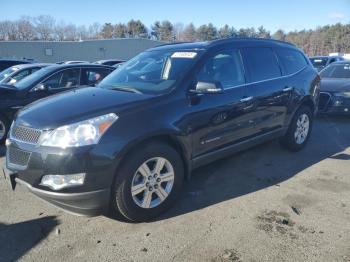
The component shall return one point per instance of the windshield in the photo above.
(31, 79)
(319, 61)
(336, 71)
(7, 72)
(150, 72)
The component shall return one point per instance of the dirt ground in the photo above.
(264, 204)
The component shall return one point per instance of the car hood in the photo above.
(335, 85)
(7, 90)
(9, 93)
(76, 105)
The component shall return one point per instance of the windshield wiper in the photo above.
(126, 89)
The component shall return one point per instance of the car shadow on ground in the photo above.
(17, 239)
(261, 167)
(2, 151)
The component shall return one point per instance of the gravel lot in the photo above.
(265, 204)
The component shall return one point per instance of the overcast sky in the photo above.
(274, 14)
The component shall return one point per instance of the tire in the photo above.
(4, 128)
(296, 138)
(135, 207)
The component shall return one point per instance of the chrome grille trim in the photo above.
(17, 158)
(25, 134)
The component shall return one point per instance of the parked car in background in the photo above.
(110, 62)
(320, 62)
(16, 73)
(129, 143)
(119, 65)
(335, 89)
(6, 63)
(45, 82)
(71, 62)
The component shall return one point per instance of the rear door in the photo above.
(267, 88)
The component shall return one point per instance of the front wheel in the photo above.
(299, 130)
(148, 182)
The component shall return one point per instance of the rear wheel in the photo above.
(4, 127)
(299, 130)
(148, 182)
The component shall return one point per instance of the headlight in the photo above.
(343, 94)
(83, 133)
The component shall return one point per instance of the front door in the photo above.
(217, 120)
(58, 82)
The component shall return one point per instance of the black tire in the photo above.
(4, 122)
(289, 141)
(122, 200)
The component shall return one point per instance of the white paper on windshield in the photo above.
(190, 55)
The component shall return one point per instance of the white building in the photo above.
(90, 50)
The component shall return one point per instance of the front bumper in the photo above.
(332, 105)
(92, 203)
(97, 162)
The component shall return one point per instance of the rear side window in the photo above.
(262, 64)
(291, 60)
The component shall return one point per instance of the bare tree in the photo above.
(94, 31)
(25, 29)
(44, 26)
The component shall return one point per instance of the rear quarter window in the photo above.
(291, 60)
(261, 63)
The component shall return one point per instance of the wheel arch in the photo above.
(171, 139)
(309, 102)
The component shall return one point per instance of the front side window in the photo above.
(151, 72)
(336, 71)
(93, 76)
(292, 60)
(66, 79)
(224, 67)
(262, 64)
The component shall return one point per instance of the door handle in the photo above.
(246, 99)
(287, 89)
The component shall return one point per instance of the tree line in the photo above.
(322, 40)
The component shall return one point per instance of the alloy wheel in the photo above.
(302, 130)
(152, 182)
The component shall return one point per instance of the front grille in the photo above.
(323, 103)
(17, 157)
(25, 134)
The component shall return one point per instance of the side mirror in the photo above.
(208, 88)
(39, 87)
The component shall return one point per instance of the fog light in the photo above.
(57, 182)
(338, 102)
